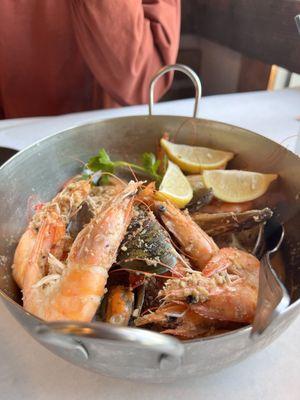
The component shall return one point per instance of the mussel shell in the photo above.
(201, 197)
(100, 314)
(139, 300)
(153, 285)
(79, 220)
(250, 240)
(147, 246)
(220, 223)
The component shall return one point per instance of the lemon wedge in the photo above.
(175, 187)
(195, 159)
(236, 186)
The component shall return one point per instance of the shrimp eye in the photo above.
(162, 208)
(191, 299)
(171, 318)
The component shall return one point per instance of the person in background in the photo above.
(61, 56)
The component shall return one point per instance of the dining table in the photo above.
(30, 371)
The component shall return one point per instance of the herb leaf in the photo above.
(93, 164)
(151, 165)
(102, 162)
(104, 158)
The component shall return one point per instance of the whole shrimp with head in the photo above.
(75, 289)
(222, 294)
(65, 204)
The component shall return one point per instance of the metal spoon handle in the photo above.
(272, 297)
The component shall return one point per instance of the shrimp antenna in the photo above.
(133, 173)
(78, 160)
(32, 202)
(114, 176)
(137, 271)
(142, 202)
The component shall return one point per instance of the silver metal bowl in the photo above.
(39, 171)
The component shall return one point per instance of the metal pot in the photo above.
(39, 171)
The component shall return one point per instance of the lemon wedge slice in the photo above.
(236, 186)
(175, 187)
(195, 159)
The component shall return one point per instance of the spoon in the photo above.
(273, 298)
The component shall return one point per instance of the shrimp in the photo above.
(64, 205)
(195, 242)
(119, 305)
(22, 255)
(77, 291)
(178, 319)
(230, 293)
(224, 292)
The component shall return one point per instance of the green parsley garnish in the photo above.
(102, 162)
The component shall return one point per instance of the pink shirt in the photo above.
(60, 56)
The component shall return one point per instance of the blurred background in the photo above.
(238, 46)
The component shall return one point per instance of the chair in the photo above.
(254, 35)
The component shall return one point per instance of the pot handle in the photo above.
(68, 335)
(187, 71)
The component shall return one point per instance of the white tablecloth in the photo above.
(28, 371)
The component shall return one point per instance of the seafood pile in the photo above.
(141, 253)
